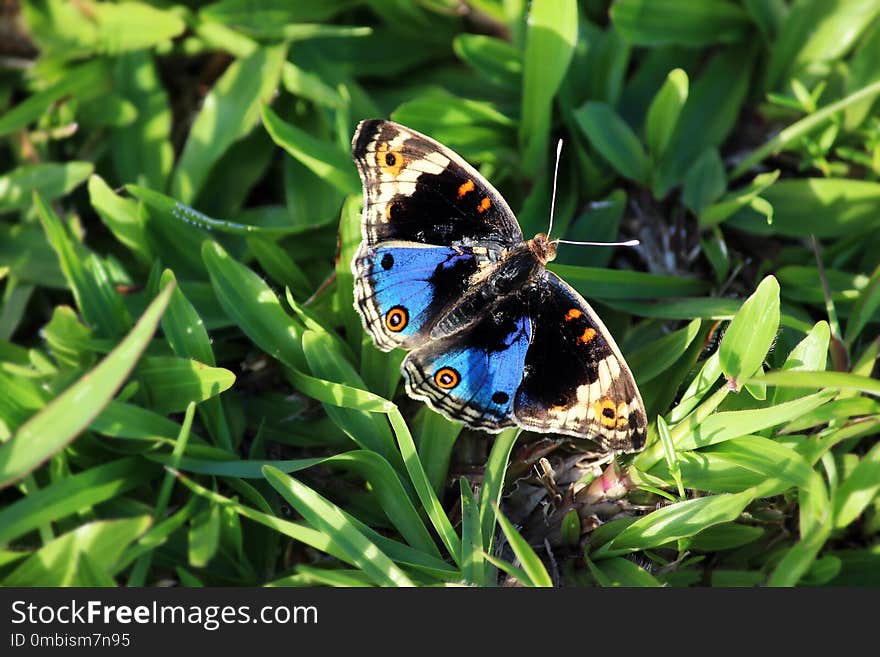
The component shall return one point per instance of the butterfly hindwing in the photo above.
(575, 379)
(473, 375)
(417, 190)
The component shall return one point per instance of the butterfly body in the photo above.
(495, 339)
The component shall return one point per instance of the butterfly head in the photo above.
(543, 248)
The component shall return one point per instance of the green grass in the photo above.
(187, 394)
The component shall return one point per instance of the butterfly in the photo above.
(494, 338)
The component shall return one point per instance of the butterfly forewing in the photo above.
(417, 190)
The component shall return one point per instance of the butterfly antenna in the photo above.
(553, 210)
(555, 176)
(626, 243)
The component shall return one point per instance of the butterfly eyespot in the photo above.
(574, 313)
(500, 397)
(387, 261)
(396, 319)
(389, 161)
(465, 187)
(484, 205)
(606, 412)
(447, 378)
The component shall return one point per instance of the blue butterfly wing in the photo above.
(403, 288)
(473, 376)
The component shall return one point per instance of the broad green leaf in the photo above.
(51, 180)
(436, 438)
(863, 71)
(858, 490)
(531, 564)
(62, 420)
(142, 151)
(619, 571)
(810, 354)
(653, 359)
(308, 85)
(269, 14)
(813, 380)
(253, 306)
(69, 339)
(799, 558)
(680, 22)
(738, 464)
(185, 332)
(327, 362)
(704, 182)
(57, 563)
(71, 495)
(328, 518)
(740, 198)
(680, 520)
(614, 140)
(280, 266)
(551, 34)
(751, 332)
(796, 131)
(420, 482)
(664, 111)
(844, 408)
(492, 58)
(126, 26)
(85, 81)
(187, 218)
(171, 383)
(710, 113)
(121, 216)
(325, 159)
(597, 283)
(98, 302)
(493, 483)
(732, 424)
(228, 113)
(725, 537)
(865, 308)
(600, 222)
(472, 562)
(204, 536)
(122, 420)
(815, 32)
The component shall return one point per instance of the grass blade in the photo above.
(62, 420)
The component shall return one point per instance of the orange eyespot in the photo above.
(606, 412)
(485, 204)
(587, 335)
(574, 313)
(396, 319)
(390, 161)
(447, 378)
